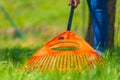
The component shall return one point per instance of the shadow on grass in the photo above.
(17, 54)
(115, 51)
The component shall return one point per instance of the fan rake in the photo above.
(65, 52)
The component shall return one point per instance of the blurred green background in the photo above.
(40, 20)
(38, 12)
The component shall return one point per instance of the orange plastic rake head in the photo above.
(67, 51)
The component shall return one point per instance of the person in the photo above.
(99, 16)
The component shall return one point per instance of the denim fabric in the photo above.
(99, 15)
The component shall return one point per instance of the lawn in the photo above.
(13, 58)
(34, 18)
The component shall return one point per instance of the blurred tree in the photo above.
(112, 12)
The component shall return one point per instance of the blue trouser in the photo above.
(99, 17)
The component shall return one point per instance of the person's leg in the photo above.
(99, 15)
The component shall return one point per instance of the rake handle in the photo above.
(70, 17)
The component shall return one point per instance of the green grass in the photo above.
(41, 20)
(13, 58)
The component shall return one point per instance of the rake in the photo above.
(65, 52)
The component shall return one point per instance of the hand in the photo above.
(76, 2)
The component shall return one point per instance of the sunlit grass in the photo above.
(14, 58)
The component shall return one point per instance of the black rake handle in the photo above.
(70, 17)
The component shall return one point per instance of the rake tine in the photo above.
(79, 61)
(91, 60)
(32, 63)
(95, 60)
(75, 61)
(61, 63)
(58, 62)
(79, 64)
(102, 61)
(72, 65)
(68, 61)
(43, 58)
(47, 63)
(82, 64)
(65, 63)
(53, 62)
(36, 63)
(89, 64)
(85, 61)
(43, 62)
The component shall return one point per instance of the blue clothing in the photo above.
(99, 17)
